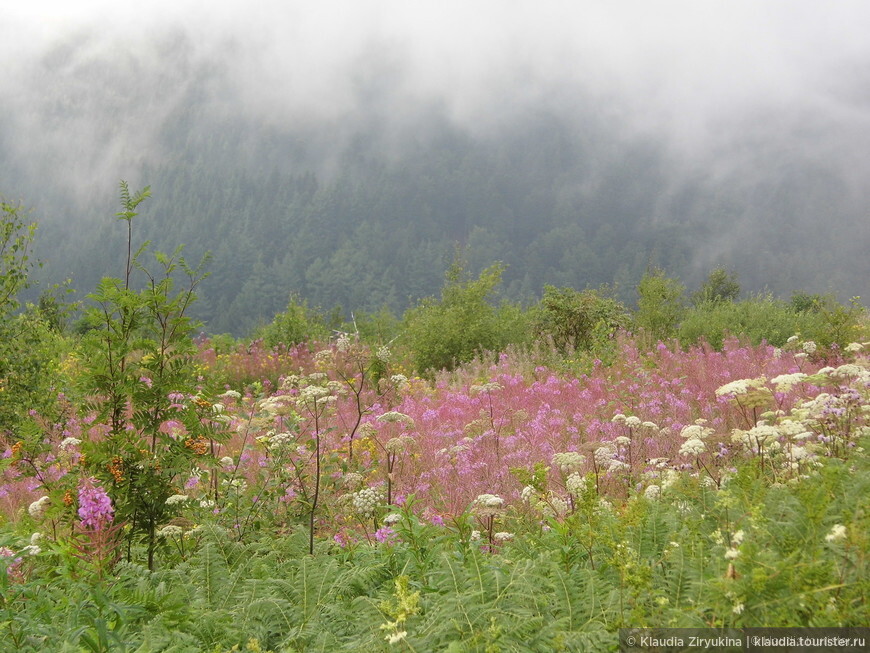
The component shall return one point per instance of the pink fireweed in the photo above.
(95, 506)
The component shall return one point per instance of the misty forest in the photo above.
(483, 329)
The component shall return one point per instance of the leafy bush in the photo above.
(765, 318)
(577, 319)
(299, 323)
(441, 334)
(659, 305)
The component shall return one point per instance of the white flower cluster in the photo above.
(352, 480)
(785, 382)
(343, 342)
(488, 505)
(576, 485)
(838, 532)
(170, 530)
(69, 443)
(175, 499)
(399, 445)
(392, 518)
(227, 461)
(400, 381)
(367, 501)
(569, 461)
(604, 454)
(230, 394)
(696, 432)
(281, 441)
(759, 437)
(395, 417)
(693, 447)
(503, 536)
(854, 347)
(384, 354)
(37, 508)
(740, 387)
(652, 492)
(485, 387)
(277, 405)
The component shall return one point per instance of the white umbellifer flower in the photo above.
(554, 506)
(777, 352)
(619, 418)
(785, 382)
(737, 538)
(614, 465)
(37, 508)
(399, 380)
(475, 535)
(68, 443)
(227, 461)
(343, 343)
(384, 354)
(206, 503)
(529, 495)
(217, 408)
(352, 480)
(575, 484)
(801, 355)
(696, 432)
(36, 538)
(175, 499)
(488, 505)
(693, 447)
(809, 347)
(395, 417)
(604, 454)
(31, 550)
(492, 386)
(792, 339)
(230, 394)
(738, 387)
(622, 440)
(396, 637)
(838, 532)
(732, 554)
(854, 347)
(392, 518)
(632, 422)
(652, 426)
(170, 530)
(850, 370)
(399, 445)
(503, 536)
(568, 462)
(366, 501)
(281, 441)
(652, 492)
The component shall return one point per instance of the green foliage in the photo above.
(30, 361)
(720, 286)
(577, 319)
(298, 323)
(659, 305)
(443, 333)
(138, 369)
(765, 318)
(16, 238)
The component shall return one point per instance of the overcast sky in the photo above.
(686, 65)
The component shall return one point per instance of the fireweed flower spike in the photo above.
(95, 506)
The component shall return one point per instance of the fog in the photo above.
(739, 95)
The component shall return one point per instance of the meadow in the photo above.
(332, 500)
(574, 468)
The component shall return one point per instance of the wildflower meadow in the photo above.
(169, 491)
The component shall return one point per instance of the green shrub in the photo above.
(443, 333)
(660, 304)
(299, 323)
(577, 319)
